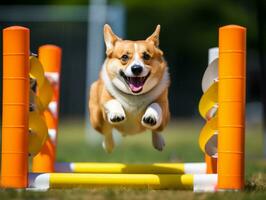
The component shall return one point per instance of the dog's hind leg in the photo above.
(158, 141)
(108, 141)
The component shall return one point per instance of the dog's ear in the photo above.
(155, 36)
(109, 38)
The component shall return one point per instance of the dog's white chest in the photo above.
(130, 127)
(134, 105)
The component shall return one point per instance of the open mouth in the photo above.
(135, 83)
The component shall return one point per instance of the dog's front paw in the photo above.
(114, 111)
(116, 117)
(149, 120)
(152, 118)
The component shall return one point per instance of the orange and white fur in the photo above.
(131, 94)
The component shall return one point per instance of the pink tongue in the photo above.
(135, 87)
(135, 84)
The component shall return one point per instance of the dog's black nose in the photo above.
(136, 69)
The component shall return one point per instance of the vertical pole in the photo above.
(50, 57)
(15, 107)
(99, 14)
(44, 161)
(97, 11)
(231, 112)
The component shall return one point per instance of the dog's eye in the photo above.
(124, 58)
(146, 56)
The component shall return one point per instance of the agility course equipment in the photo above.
(197, 182)
(24, 75)
(121, 168)
(50, 57)
(222, 106)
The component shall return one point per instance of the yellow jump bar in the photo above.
(119, 168)
(201, 182)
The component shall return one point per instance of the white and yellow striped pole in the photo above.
(200, 182)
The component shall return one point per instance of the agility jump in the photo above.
(221, 139)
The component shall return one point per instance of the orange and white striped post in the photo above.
(50, 57)
(231, 112)
(14, 172)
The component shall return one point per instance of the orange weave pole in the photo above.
(15, 107)
(50, 57)
(44, 161)
(211, 164)
(231, 112)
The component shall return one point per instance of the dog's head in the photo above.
(134, 67)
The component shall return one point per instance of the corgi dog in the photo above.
(131, 94)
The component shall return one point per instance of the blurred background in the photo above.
(188, 29)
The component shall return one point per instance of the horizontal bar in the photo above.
(118, 168)
(201, 182)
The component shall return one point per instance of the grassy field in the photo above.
(181, 139)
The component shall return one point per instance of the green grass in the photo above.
(182, 146)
